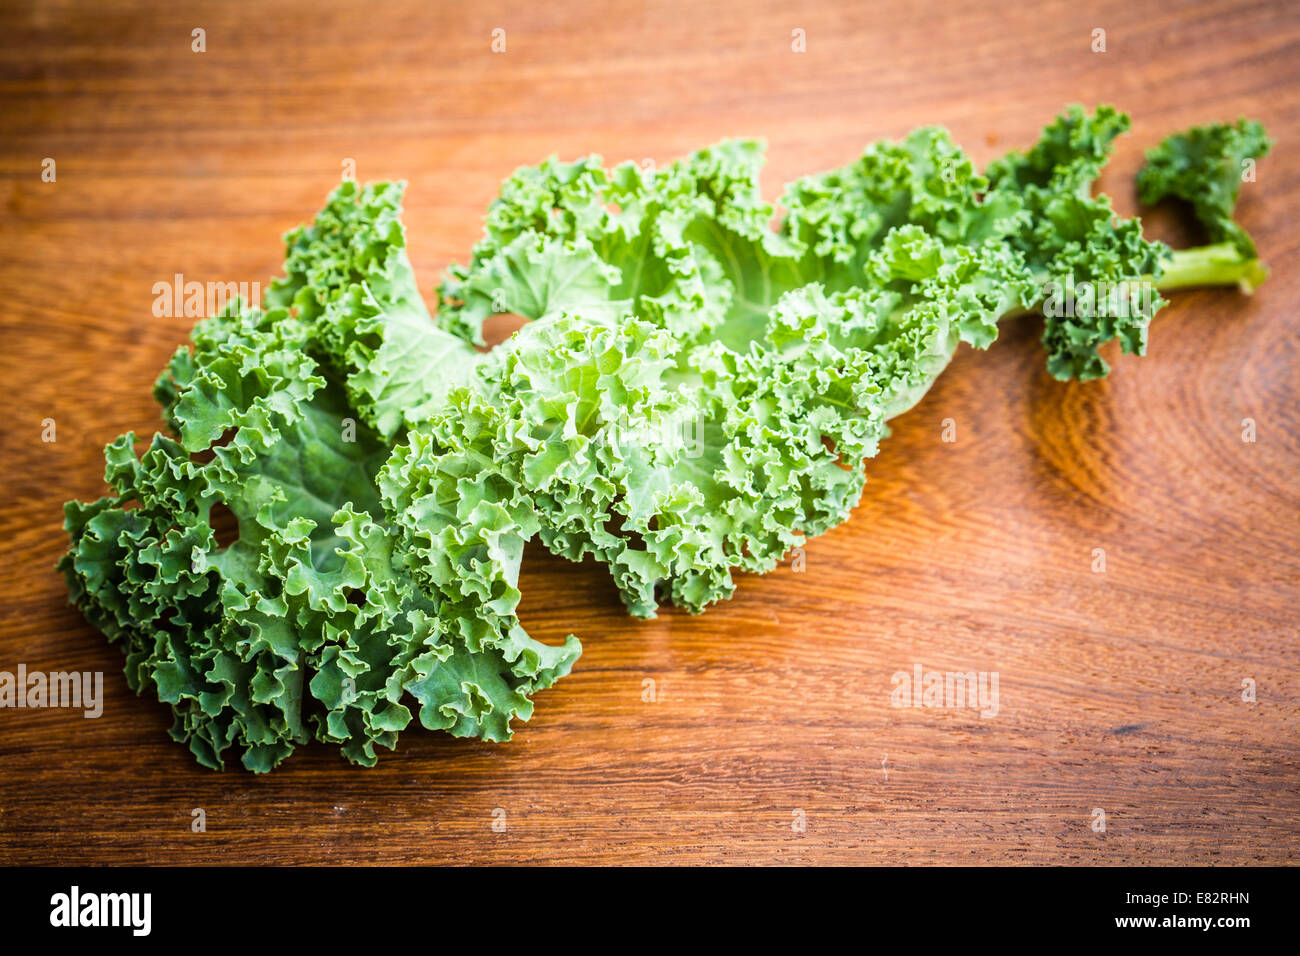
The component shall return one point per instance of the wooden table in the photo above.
(1119, 691)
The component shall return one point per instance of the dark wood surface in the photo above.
(1118, 690)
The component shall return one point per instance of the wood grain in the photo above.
(1118, 690)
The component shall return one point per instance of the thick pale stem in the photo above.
(1219, 264)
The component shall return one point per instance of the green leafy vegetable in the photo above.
(701, 378)
(311, 623)
(1206, 166)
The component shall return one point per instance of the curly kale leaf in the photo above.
(1074, 243)
(1206, 166)
(310, 624)
(672, 463)
(676, 448)
(691, 246)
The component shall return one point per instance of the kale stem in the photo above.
(1218, 264)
